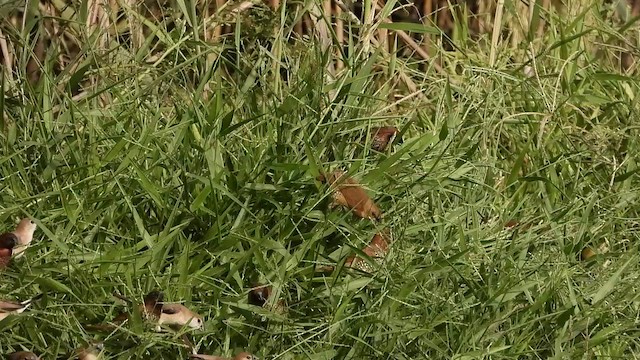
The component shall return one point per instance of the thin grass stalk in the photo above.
(36, 59)
(7, 57)
(326, 7)
(98, 20)
(321, 22)
(627, 60)
(520, 23)
(277, 47)
(135, 28)
(369, 15)
(383, 34)
(427, 9)
(218, 29)
(340, 37)
(546, 4)
(497, 27)
(328, 15)
(308, 23)
(297, 27)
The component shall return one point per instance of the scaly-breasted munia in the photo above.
(382, 136)
(22, 355)
(587, 253)
(177, 315)
(377, 250)
(240, 356)
(160, 313)
(91, 352)
(8, 242)
(350, 194)
(24, 231)
(11, 307)
(259, 296)
(151, 308)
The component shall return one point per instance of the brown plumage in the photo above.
(587, 253)
(259, 296)
(350, 194)
(152, 305)
(12, 307)
(177, 315)
(511, 224)
(8, 241)
(377, 249)
(24, 232)
(91, 352)
(381, 137)
(240, 356)
(158, 312)
(22, 355)
(150, 309)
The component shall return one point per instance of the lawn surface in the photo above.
(191, 167)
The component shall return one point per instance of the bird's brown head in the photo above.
(153, 303)
(259, 295)
(381, 137)
(330, 178)
(154, 296)
(386, 131)
(334, 176)
(23, 355)
(322, 177)
(8, 241)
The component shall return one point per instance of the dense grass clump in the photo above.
(191, 167)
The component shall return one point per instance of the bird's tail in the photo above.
(100, 327)
(28, 302)
(122, 297)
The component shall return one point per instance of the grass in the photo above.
(195, 173)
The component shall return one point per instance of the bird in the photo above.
(91, 352)
(259, 296)
(381, 137)
(160, 313)
(8, 242)
(24, 234)
(240, 356)
(377, 249)
(178, 315)
(151, 308)
(23, 355)
(587, 253)
(11, 307)
(350, 194)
